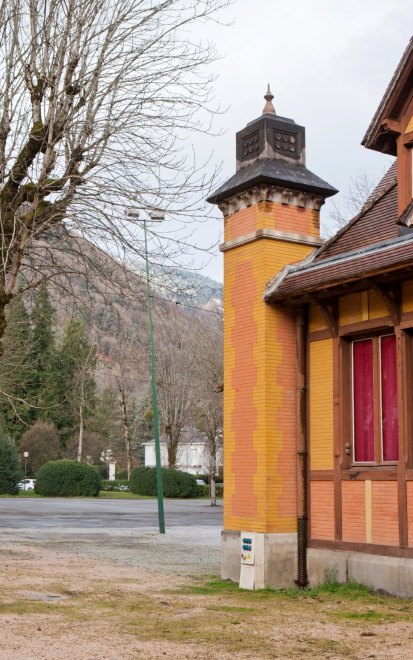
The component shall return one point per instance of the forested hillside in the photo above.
(74, 375)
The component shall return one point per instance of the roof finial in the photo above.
(269, 106)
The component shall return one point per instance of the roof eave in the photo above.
(335, 287)
(380, 137)
(218, 197)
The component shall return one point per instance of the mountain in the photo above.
(188, 288)
(110, 297)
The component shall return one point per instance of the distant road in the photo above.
(103, 515)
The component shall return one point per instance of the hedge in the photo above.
(175, 482)
(67, 479)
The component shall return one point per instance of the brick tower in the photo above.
(271, 219)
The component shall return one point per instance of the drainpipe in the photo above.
(301, 580)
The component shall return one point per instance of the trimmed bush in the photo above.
(10, 471)
(202, 491)
(175, 482)
(67, 479)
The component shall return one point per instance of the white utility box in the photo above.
(252, 560)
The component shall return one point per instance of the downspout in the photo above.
(301, 580)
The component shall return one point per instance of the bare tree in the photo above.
(41, 441)
(83, 378)
(95, 97)
(176, 360)
(359, 190)
(209, 404)
(126, 374)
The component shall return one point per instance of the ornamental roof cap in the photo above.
(269, 106)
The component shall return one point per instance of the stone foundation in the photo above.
(391, 574)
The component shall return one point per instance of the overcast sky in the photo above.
(328, 63)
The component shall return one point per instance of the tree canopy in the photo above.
(95, 98)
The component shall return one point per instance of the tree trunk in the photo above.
(172, 450)
(126, 434)
(4, 301)
(213, 470)
(81, 424)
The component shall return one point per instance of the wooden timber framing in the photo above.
(370, 548)
(328, 312)
(391, 302)
(401, 472)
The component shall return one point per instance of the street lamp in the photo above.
(26, 456)
(155, 216)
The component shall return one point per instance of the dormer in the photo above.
(391, 130)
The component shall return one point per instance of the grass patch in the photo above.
(228, 608)
(208, 617)
(371, 616)
(21, 494)
(328, 591)
(213, 587)
(122, 495)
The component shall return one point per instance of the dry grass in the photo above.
(65, 606)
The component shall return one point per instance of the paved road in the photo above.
(102, 514)
(124, 531)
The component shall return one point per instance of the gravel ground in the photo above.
(122, 532)
(93, 581)
(68, 606)
(181, 551)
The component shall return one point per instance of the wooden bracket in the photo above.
(408, 139)
(391, 125)
(327, 315)
(392, 306)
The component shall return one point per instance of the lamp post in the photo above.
(155, 216)
(26, 456)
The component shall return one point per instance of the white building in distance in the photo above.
(193, 454)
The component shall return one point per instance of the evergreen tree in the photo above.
(106, 420)
(77, 361)
(44, 358)
(17, 375)
(10, 470)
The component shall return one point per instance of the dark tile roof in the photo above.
(389, 179)
(309, 277)
(375, 223)
(368, 244)
(276, 172)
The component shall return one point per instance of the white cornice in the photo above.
(272, 234)
(267, 193)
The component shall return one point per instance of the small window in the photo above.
(375, 412)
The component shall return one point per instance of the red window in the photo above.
(375, 415)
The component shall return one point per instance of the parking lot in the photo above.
(124, 531)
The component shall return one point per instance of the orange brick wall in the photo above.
(321, 405)
(407, 296)
(377, 309)
(351, 308)
(385, 519)
(322, 510)
(272, 215)
(315, 319)
(259, 377)
(353, 511)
